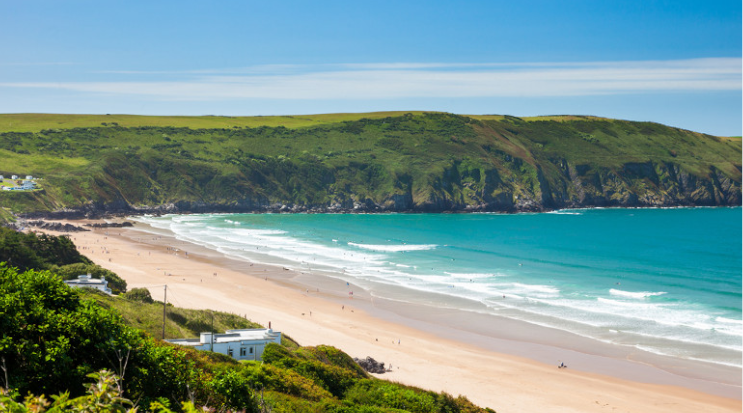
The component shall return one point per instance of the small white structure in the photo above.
(85, 280)
(246, 344)
(2, 178)
(29, 177)
(14, 177)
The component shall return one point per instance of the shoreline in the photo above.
(423, 349)
(103, 213)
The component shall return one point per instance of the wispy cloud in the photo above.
(424, 80)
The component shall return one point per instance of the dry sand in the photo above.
(504, 383)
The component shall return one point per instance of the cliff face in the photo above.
(426, 163)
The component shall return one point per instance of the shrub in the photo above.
(139, 294)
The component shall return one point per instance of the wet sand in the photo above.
(510, 367)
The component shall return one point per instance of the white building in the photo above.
(85, 280)
(247, 344)
(14, 177)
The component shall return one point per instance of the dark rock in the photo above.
(111, 225)
(370, 365)
(55, 226)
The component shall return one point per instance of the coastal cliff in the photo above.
(427, 162)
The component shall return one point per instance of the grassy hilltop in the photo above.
(388, 161)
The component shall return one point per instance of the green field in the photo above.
(35, 122)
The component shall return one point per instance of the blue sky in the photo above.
(673, 62)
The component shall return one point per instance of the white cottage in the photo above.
(246, 344)
(86, 280)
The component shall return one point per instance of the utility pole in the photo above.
(165, 300)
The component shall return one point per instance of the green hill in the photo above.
(54, 340)
(395, 161)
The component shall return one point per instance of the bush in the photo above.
(30, 251)
(139, 294)
(50, 338)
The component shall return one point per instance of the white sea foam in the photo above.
(564, 212)
(637, 295)
(473, 276)
(728, 321)
(533, 288)
(394, 248)
(629, 304)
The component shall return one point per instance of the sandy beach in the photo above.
(422, 353)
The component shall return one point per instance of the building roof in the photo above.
(86, 280)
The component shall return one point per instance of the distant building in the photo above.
(247, 344)
(28, 185)
(29, 177)
(14, 177)
(85, 280)
(1, 178)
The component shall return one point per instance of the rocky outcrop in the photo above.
(110, 225)
(55, 226)
(576, 186)
(370, 365)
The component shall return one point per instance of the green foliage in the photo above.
(180, 322)
(380, 393)
(102, 396)
(38, 251)
(52, 341)
(139, 294)
(50, 338)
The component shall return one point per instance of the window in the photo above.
(229, 352)
(251, 350)
(242, 351)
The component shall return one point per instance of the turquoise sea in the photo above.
(666, 281)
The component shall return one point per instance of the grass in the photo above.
(179, 322)
(36, 122)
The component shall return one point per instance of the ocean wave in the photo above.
(728, 320)
(470, 276)
(254, 232)
(535, 288)
(394, 248)
(564, 212)
(628, 304)
(637, 295)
